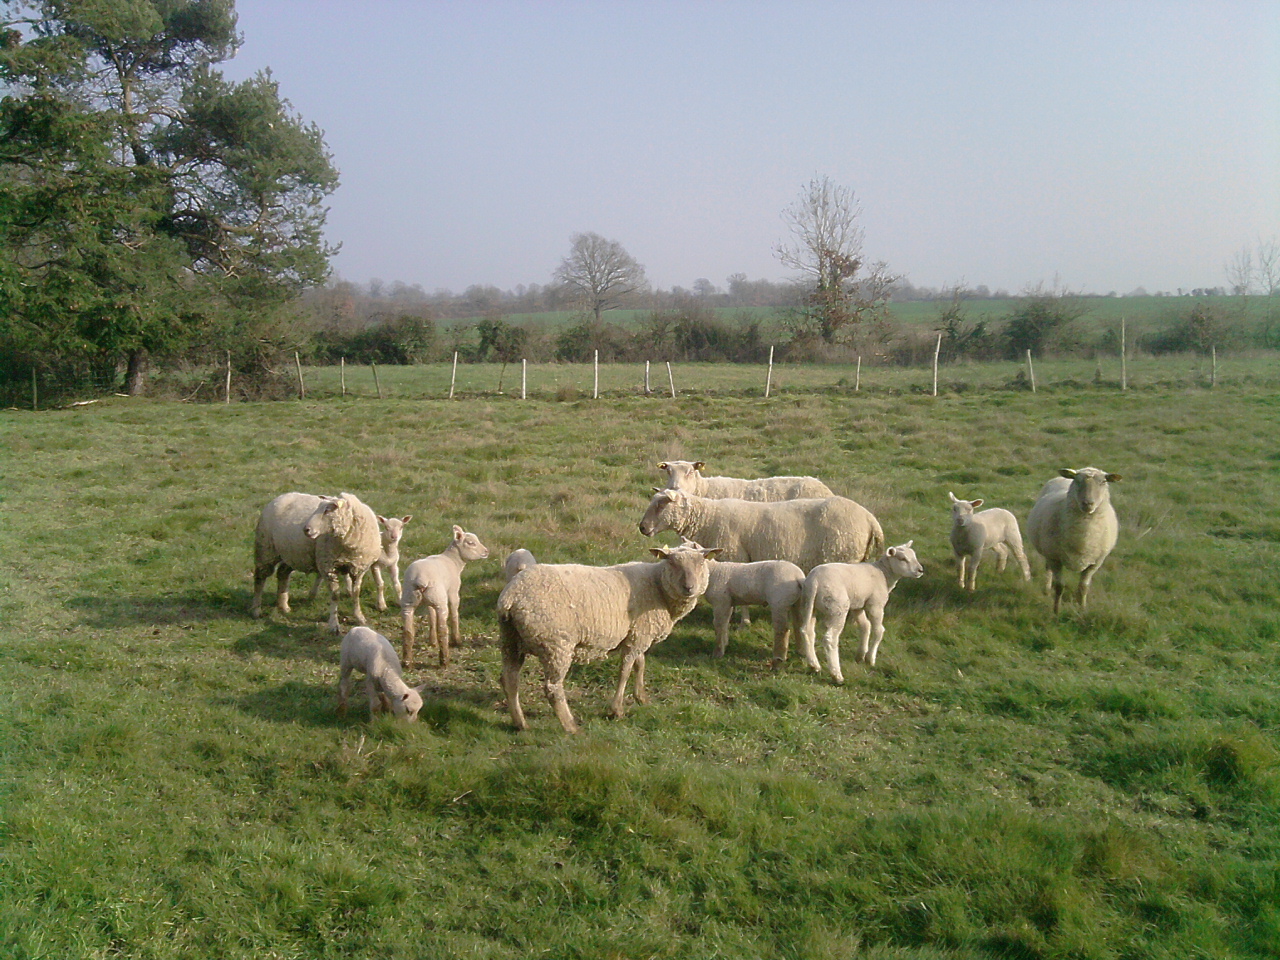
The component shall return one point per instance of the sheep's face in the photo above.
(686, 571)
(962, 510)
(680, 473)
(663, 509)
(469, 545)
(392, 529)
(1089, 488)
(904, 563)
(407, 705)
(321, 522)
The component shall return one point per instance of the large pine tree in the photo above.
(147, 204)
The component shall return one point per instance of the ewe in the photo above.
(371, 653)
(974, 533)
(437, 581)
(1073, 526)
(562, 612)
(517, 560)
(834, 590)
(337, 537)
(687, 475)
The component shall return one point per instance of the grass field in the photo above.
(174, 782)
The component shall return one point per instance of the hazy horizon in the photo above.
(1102, 146)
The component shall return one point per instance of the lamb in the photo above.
(389, 560)
(561, 612)
(337, 537)
(973, 533)
(518, 560)
(806, 532)
(686, 475)
(1074, 527)
(773, 582)
(833, 590)
(437, 580)
(371, 653)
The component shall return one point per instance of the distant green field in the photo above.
(1005, 783)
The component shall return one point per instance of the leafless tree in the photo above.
(600, 272)
(1239, 271)
(826, 251)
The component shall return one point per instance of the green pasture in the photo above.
(174, 782)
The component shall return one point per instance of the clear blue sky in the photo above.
(1109, 145)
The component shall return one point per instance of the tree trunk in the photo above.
(136, 374)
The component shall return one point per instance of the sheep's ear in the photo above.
(1069, 474)
(952, 496)
(910, 542)
(975, 504)
(656, 489)
(406, 519)
(660, 552)
(458, 532)
(1114, 478)
(891, 552)
(698, 465)
(420, 689)
(710, 552)
(382, 520)
(662, 465)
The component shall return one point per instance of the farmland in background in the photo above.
(174, 782)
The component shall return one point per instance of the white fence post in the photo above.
(524, 379)
(1124, 359)
(768, 380)
(671, 380)
(857, 376)
(228, 400)
(453, 379)
(937, 348)
(595, 369)
(302, 387)
(1031, 373)
(646, 378)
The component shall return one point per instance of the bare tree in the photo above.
(1239, 271)
(842, 289)
(601, 274)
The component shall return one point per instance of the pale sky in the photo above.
(1109, 145)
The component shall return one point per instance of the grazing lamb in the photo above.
(773, 582)
(974, 533)
(337, 537)
(1073, 526)
(437, 580)
(518, 560)
(389, 560)
(561, 612)
(687, 475)
(806, 532)
(833, 590)
(371, 653)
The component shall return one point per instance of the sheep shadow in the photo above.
(197, 606)
(284, 640)
(295, 702)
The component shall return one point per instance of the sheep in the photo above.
(518, 560)
(686, 475)
(389, 559)
(437, 580)
(1074, 527)
(973, 533)
(564, 612)
(806, 532)
(773, 582)
(836, 589)
(337, 537)
(371, 653)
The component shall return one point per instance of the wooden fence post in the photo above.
(937, 348)
(647, 391)
(453, 379)
(228, 400)
(524, 379)
(1213, 377)
(342, 374)
(1124, 359)
(376, 382)
(671, 380)
(857, 376)
(768, 380)
(595, 370)
(1031, 373)
(302, 387)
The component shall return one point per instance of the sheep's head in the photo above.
(663, 510)
(903, 561)
(1089, 487)
(680, 473)
(406, 705)
(331, 516)
(469, 545)
(392, 529)
(685, 570)
(962, 510)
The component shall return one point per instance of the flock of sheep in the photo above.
(785, 542)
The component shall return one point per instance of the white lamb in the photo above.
(972, 534)
(565, 612)
(834, 590)
(517, 560)
(371, 653)
(1074, 527)
(773, 582)
(389, 560)
(806, 532)
(437, 581)
(687, 475)
(337, 537)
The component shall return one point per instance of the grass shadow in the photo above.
(296, 702)
(199, 606)
(290, 641)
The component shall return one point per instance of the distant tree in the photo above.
(600, 272)
(149, 204)
(826, 251)
(1043, 319)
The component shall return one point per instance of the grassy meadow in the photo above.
(174, 782)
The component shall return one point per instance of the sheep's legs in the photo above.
(455, 627)
(512, 662)
(808, 631)
(720, 616)
(781, 635)
(260, 574)
(377, 580)
(354, 585)
(831, 642)
(961, 561)
(631, 659)
(283, 572)
(873, 624)
(407, 633)
(334, 591)
(553, 672)
(1020, 555)
(439, 635)
(974, 560)
(377, 702)
(1059, 583)
(1086, 578)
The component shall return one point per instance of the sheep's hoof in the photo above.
(776, 664)
(718, 654)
